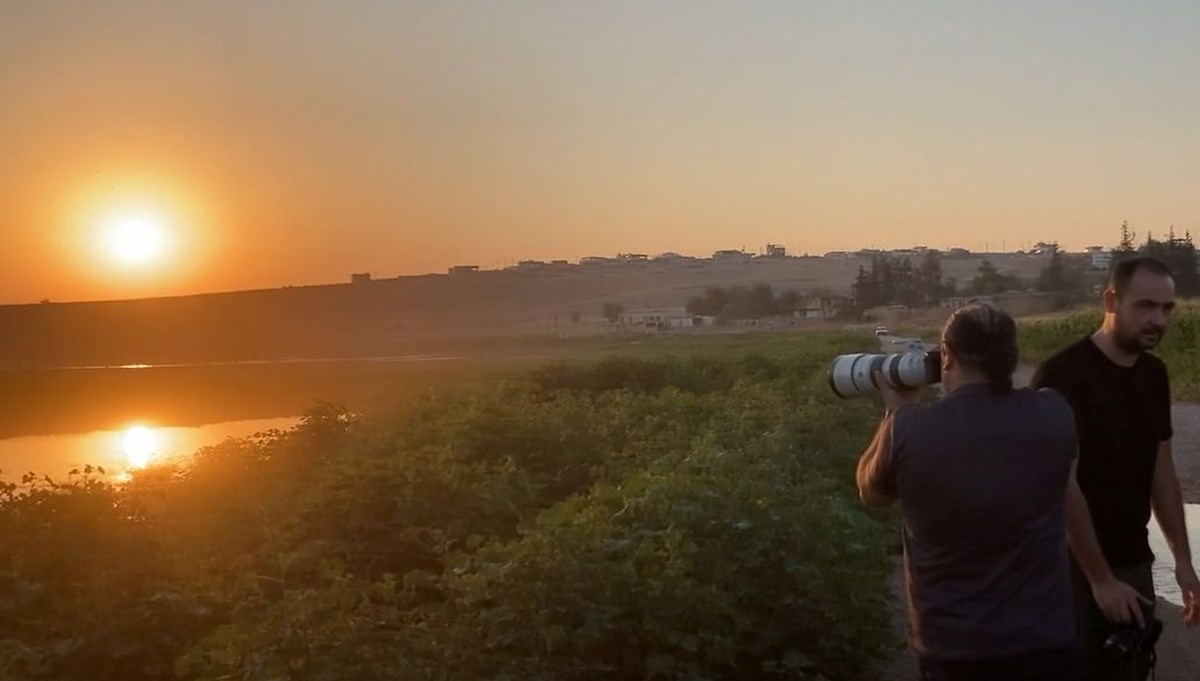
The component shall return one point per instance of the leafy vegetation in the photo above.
(1178, 253)
(894, 280)
(668, 517)
(740, 302)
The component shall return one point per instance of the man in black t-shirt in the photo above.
(1121, 400)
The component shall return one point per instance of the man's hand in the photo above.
(894, 398)
(1189, 586)
(1119, 602)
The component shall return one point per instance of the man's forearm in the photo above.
(865, 472)
(1168, 507)
(1081, 535)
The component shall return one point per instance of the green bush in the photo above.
(665, 518)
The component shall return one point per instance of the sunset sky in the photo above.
(274, 143)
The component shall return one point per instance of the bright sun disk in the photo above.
(136, 239)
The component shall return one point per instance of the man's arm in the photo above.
(1116, 599)
(1167, 500)
(873, 467)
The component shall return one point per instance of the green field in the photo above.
(661, 509)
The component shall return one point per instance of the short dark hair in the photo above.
(1122, 272)
(984, 337)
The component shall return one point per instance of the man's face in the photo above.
(1143, 311)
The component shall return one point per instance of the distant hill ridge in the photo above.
(392, 316)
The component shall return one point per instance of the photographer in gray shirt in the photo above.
(981, 478)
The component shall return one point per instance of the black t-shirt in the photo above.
(1121, 416)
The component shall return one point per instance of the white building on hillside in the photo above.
(1099, 257)
(660, 318)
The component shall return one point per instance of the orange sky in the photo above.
(296, 142)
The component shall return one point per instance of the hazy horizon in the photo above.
(294, 143)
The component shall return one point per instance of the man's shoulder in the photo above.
(910, 416)
(1069, 361)
(1077, 351)
(1050, 401)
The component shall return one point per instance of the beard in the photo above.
(1142, 340)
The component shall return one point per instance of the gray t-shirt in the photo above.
(981, 478)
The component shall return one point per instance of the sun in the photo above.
(141, 445)
(136, 239)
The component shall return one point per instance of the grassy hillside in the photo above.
(392, 316)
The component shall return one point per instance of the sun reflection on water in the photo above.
(141, 445)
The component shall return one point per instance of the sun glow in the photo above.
(136, 238)
(141, 445)
(136, 234)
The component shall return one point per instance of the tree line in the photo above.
(1177, 253)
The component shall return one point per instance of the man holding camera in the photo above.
(980, 477)
(1121, 400)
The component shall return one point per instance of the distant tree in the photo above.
(1052, 278)
(612, 312)
(1127, 236)
(737, 305)
(865, 289)
(1126, 248)
(1179, 255)
(894, 280)
(789, 301)
(990, 281)
(710, 304)
(929, 286)
(760, 301)
(739, 302)
(1064, 279)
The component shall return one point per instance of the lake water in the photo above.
(1164, 562)
(117, 450)
(54, 420)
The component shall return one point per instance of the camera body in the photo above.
(1130, 639)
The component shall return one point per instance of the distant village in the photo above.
(1099, 257)
(744, 306)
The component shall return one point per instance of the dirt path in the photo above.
(1178, 649)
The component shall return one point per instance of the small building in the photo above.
(463, 269)
(731, 257)
(1099, 257)
(660, 319)
(823, 307)
(596, 260)
(360, 278)
(1044, 248)
(776, 251)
